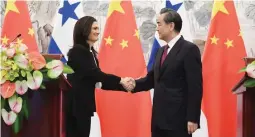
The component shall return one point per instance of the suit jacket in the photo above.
(177, 86)
(81, 97)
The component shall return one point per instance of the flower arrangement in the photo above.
(22, 71)
(250, 70)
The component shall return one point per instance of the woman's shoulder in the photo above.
(76, 49)
(80, 47)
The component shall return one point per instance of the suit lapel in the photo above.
(157, 62)
(168, 63)
(97, 62)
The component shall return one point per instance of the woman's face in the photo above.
(94, 33)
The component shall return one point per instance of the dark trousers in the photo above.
(78, 127)
(75, 126)
(156, 132)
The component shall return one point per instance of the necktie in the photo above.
(164, 54)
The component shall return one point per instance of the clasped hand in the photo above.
(128, 83)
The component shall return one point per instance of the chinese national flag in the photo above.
(123, 114)
(17, 21)
(222, 60)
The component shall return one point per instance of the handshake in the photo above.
(128, 83)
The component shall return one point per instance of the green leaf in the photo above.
(30, 67)
(45, 77)
(42, 86)
(16, 125)
(44, 70)
(7, 76)
(23, 73)
(2, 73)
(48, 60)
(2, 103)
(67, 69)
(25, 108)
(249, 83)
(242, 70)
(14, 66)
(12, 78)
(16, 74)
(253, 62)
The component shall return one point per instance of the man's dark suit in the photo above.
(177, 88)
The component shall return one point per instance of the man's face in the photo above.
(164, 30)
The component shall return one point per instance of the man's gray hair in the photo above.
(171, 16)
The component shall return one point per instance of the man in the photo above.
(177, 81)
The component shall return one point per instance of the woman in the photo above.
(80, 100)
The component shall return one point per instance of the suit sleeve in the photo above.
(142, 84)
(113, 86)
(193, 71)
(146, 83)
(83, 64)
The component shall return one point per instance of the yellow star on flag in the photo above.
(31, 31)
(240, 33)
(124, 44)
(214, 40)
(136, 33)
(219, 6)
(115, 6)
(229, 43)
(19, 41)
(108, 40)
(4, 40)
(10, 6)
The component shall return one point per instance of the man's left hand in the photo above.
(192, 127)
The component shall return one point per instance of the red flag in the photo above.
(17, 21)
(222, 60)
(123, 114)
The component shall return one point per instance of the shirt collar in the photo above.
(174, 40)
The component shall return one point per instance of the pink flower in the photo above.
(9, 117)
(10, 52)
(22, 48)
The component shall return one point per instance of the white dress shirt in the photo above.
(98, 84)
(172, 42)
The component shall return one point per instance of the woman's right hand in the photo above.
(128, 83)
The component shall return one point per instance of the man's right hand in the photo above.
(128, 83)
